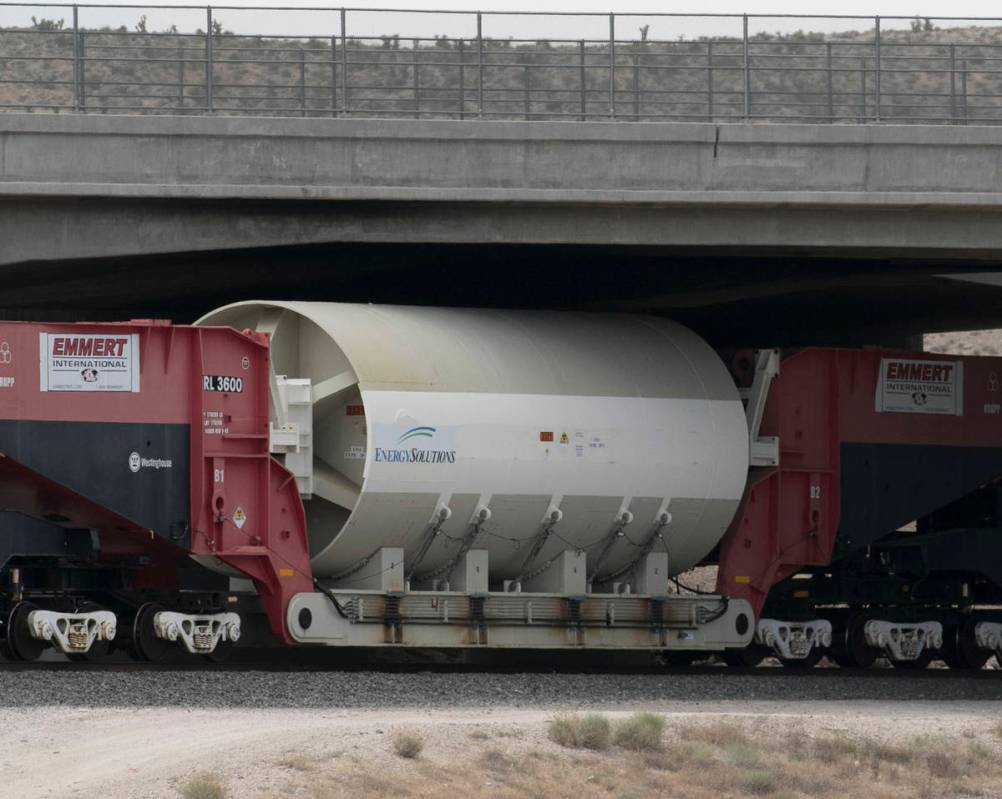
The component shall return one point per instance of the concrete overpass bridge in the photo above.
(784, 233)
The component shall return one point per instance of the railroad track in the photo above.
(146, 685)
(365, 662)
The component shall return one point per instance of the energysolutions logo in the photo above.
(416, 432)
(421, 444)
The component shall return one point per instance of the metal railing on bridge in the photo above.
(499, 65)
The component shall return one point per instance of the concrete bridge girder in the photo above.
(920, 201)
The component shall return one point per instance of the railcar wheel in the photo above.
(99, 650)
(6, 651)
(809, 662)
(748, 657)
(920, 663)
(145, 642)
(20, 643)
(960, 650)
(221, 653)
(854, 652)
(677, 659)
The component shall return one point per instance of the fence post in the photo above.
(963, 86)
(480, 64)
(76, 60)
(862, 89)
(831, 87)
(344, 62)
(636, 87)
(209, 104)
(612, 66)
(462, 79)
(302, 81)
(416, 75)
(953, 81)
(526, 101)
(333, 76)
(747, 65)
(180, 77)
(709, 80)
(876, 80)
(82, 77)
(583, 80)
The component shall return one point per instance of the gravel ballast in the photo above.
(366, 689)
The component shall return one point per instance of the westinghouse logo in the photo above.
(137, 462)
(427, 445)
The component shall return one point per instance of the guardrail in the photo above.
(899, 70)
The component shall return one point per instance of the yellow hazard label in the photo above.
(564, 438)
(286, 573)
(743, 579)
(239, 517)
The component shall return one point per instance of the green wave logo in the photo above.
(417, 432)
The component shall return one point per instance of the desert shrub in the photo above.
(744, 754)
(496, 760)
(834, 748)
(407, 744)
(943, 766)
(590, 731)
(882, 752)
(204, 786)
(759, 783)
(641, 732)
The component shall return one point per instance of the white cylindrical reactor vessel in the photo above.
(524, 433)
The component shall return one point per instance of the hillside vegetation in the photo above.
(975, 342)
(926, 75)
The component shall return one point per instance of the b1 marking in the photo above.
(230, 385)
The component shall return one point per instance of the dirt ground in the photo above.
(781, 750)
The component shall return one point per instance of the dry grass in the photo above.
(204, 786)
(641, 732)
(697, 759)
(408, 744)
(591, 731)
(761, 782)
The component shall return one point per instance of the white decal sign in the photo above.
(89, 362)
(906, 385)
(409, 443)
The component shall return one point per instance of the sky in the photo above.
(371, 23)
